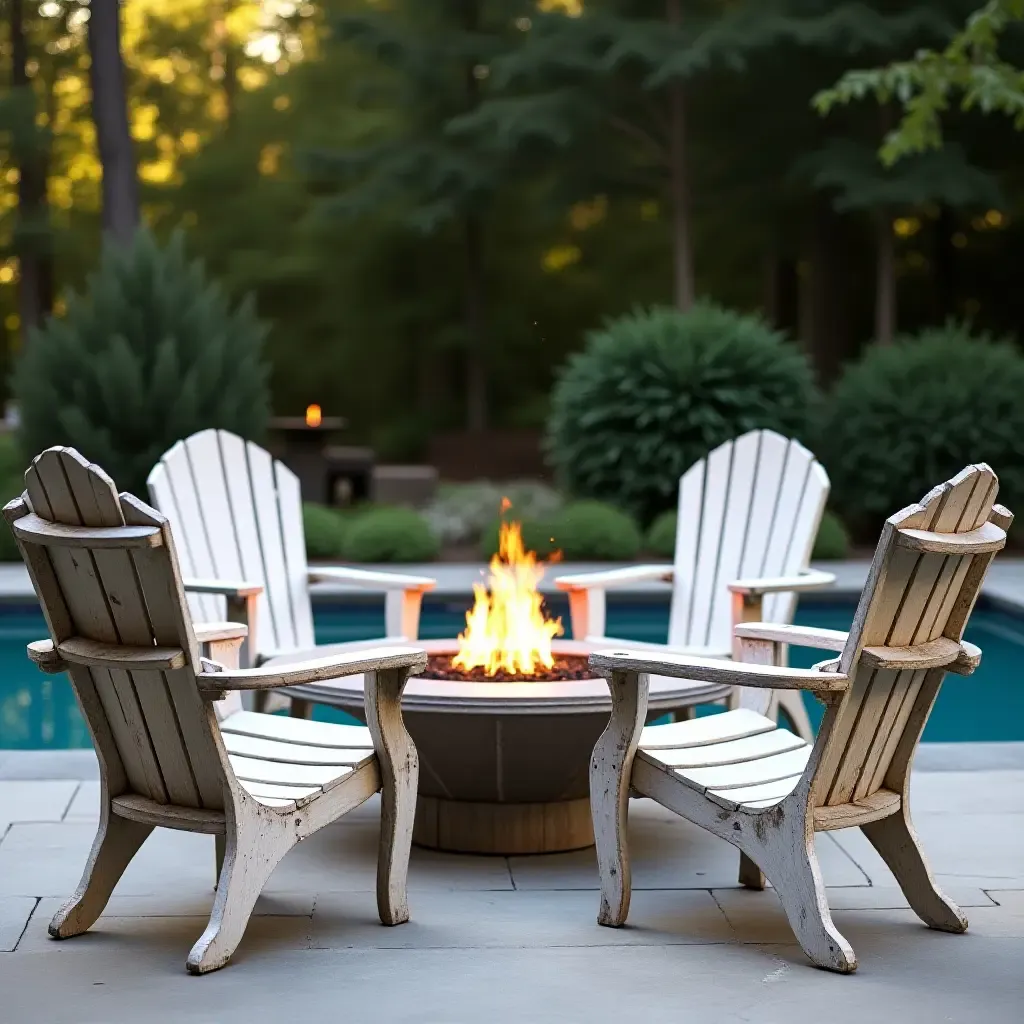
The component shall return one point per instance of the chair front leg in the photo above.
(611, 769)
(400, 772)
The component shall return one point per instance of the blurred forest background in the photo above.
(433, 200)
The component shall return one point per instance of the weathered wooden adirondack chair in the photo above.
(237, 518)
(765, 790)
(105, 570)
(748, 517)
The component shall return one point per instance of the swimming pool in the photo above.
(38, 711)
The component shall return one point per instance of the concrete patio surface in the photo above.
(514, 939)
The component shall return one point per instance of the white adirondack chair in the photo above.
(765, 790)
(105, 571)
(748, 517)
(237, 517)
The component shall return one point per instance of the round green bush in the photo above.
(594, 531)
(325, 531)
(656, 390)
(910, 415)
(150, 354)
(832, 542)
(390, 535)
(661, 537)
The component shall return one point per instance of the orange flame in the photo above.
(506, 629)
(314, 416)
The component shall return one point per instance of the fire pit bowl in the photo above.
(504, 766)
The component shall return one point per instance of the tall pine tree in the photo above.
(436, 58)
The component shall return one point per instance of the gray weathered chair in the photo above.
(105, 570)
(767, 791)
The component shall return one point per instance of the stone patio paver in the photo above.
(35, 801)
(515, 941)
(14, 914)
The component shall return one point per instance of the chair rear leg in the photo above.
(117, 841)
(899, 846)
(250, 856)
(796, 877)
(751, 875)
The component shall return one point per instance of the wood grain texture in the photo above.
(106, 572)
(400, 772)
(766, 792)
(610, 772)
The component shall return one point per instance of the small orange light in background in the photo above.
(314, 416)
(505, 504)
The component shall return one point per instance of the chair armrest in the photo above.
(611, 578)
(403, 595)
(710, 670)
(969, 660)
(586, 593)
(812, 579)
(799, 636)
(235, 589)
(211, 632)
(604, 643)
(369, 578)
(44, 656)
(213, 684)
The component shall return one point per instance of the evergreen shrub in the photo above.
(151, 353)
(656, 390)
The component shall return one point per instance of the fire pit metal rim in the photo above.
(500, 698)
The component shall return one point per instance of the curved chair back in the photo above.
(751, 509)
(237, 515)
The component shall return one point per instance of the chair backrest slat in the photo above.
(289, 499)
(193, 549)
(704, 580)
(234, 466)
(150, 726)
(268, 521)
(242, 521)
(750, 509)
(735, 526)
(913, 597)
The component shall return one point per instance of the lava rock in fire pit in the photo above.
(567, 667)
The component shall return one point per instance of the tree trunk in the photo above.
(885, 281)
(110, 115)
(826, 327)
(683, 288)
(476, 366)
(31, 239)
(781, 292)
(476, 327)
(944, 261)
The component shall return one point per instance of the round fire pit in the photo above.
(504, 764)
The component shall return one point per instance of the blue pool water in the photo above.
(38, 711)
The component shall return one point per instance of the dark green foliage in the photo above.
(390, 535)
(12, 468)
(656, 390)
(538, 536)
(910, 415)
(661, 537)
(150, 354)
(325, 531)
(832, 542)
(595, 531)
